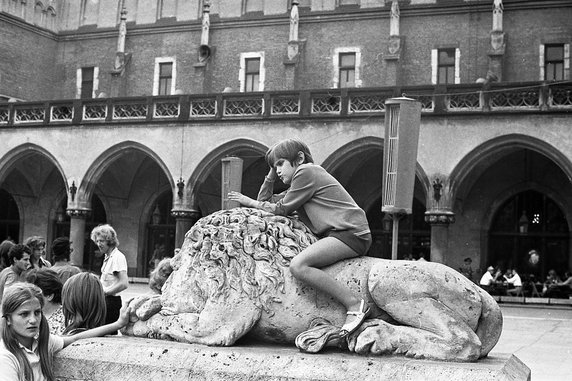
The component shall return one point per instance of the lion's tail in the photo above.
(490, 323)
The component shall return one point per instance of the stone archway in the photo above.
(129, 179)
(358, 167)
(34, 180)
(492, 174)
(206, 180)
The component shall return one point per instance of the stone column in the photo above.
(77, 233)
(231, 180)
(185, 219)
(439, 221)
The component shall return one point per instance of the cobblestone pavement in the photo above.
(540, 336)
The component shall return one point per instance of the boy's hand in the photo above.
(272, 174)
(242, 199)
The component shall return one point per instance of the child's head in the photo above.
(5, 247)
(83, 302)
(288, 149)
(19, 256)
(49, 281)
(61, 249)
(21, 310)
(37, 244)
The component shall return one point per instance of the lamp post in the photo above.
(401, 138)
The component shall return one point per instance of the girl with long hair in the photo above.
(27, 347)
(83, 303)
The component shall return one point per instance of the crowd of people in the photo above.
(46, 306)
(510, 283)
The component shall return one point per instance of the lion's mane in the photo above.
(244, 250)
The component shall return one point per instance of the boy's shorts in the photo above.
(359, 243)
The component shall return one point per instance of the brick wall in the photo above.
(26, 61)
(423, 28)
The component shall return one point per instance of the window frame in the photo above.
(435, 65)
(157, 78)
(338, 53)
(548, 62)
(80, 81)
(251, 77)
(345, 70)
(242, 73)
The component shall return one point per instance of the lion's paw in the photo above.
(145, 306)
(373, 337)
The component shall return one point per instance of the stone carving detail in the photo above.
(231, 280)
(78, 213)
(439, 217)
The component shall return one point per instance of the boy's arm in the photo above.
(266, 189)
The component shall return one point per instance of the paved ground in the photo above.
(541, 337)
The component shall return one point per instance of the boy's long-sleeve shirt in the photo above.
(320, 200)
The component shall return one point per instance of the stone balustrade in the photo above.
(323, 103)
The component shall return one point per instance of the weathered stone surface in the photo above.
(231, 280)
(138, 359)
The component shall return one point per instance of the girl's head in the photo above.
(22, 310)
(5, 247)
(49, 281)
(83, 302)
(291, 150)
(24, 322)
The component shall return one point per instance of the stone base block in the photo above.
(137, 359)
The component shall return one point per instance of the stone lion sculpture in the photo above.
(231, 280)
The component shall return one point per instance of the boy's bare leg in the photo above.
(307, 266)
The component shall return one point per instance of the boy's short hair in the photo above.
(17, 252)
(105, 232)
(61, 249)
(288, 149)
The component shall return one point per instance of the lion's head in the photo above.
(239, 250)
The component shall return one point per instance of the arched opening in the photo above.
(207, 187)
(130, 180)
(9, 217)
(414, 236)
(161, 231)
(92, 258)
(358, 166)
(530, 220)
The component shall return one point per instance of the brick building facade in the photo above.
(120, 112)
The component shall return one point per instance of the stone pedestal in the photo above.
(129, 358)
(185, 219)
(439, 221)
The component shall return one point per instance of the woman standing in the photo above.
(113, 271)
